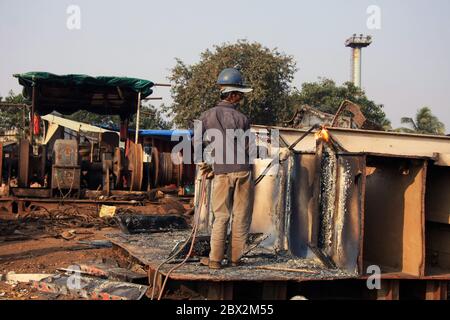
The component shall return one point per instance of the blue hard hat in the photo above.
(230, 80)
(230, 77)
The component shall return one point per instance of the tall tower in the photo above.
(357, 43)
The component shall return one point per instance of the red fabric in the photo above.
(36, 124)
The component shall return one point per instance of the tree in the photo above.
(267, 71)
(327, 97)
(94, 119)
(13, 117)
(425, 122)
(150, 118)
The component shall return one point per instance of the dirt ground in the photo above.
(47, 239)
(45, 254)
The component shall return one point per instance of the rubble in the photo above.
(13, 278)
(90, 287)
(107, 271)
(140, 223)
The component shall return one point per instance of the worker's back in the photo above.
(232, 155)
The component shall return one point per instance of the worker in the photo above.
(232, 192)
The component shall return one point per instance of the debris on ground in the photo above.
(141, 223)
(107, 271)
(13, 278)
(60, 222)
(97, 243)
(90, 287)
(44, 247)
(107, 211)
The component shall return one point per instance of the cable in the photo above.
(194, 233)
(170, 258)
(191, 236)
(71, 185)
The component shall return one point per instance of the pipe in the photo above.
(138, 114)
(33, 108)
(153, 98)
(162, 85)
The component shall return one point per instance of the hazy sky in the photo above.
(405, 68)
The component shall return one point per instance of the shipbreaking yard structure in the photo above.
(383, 201)
(364, 198)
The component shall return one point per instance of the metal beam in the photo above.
(138, 114)
(375, 142)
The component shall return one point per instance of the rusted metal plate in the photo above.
(437, 248)
(437, 202)
(375, 142)
(340, 210)
(24, 163)
(302, 217)
(436, 290)
(90, 288)
(153, 249)
(135, 165)
(65, 153)
(66, 178)
(31, 192)
(442, 159)
(394, 221)
(347, 236)
(110, 272)
(269, 210)
(274, 291)
(217, 290)
(390, 290)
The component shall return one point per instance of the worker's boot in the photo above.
(211, 264)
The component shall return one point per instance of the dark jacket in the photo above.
(222, 117)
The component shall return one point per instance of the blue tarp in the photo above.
(154, 132)
(166, 133)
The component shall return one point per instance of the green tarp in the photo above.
(136, 85)
(69, 93)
